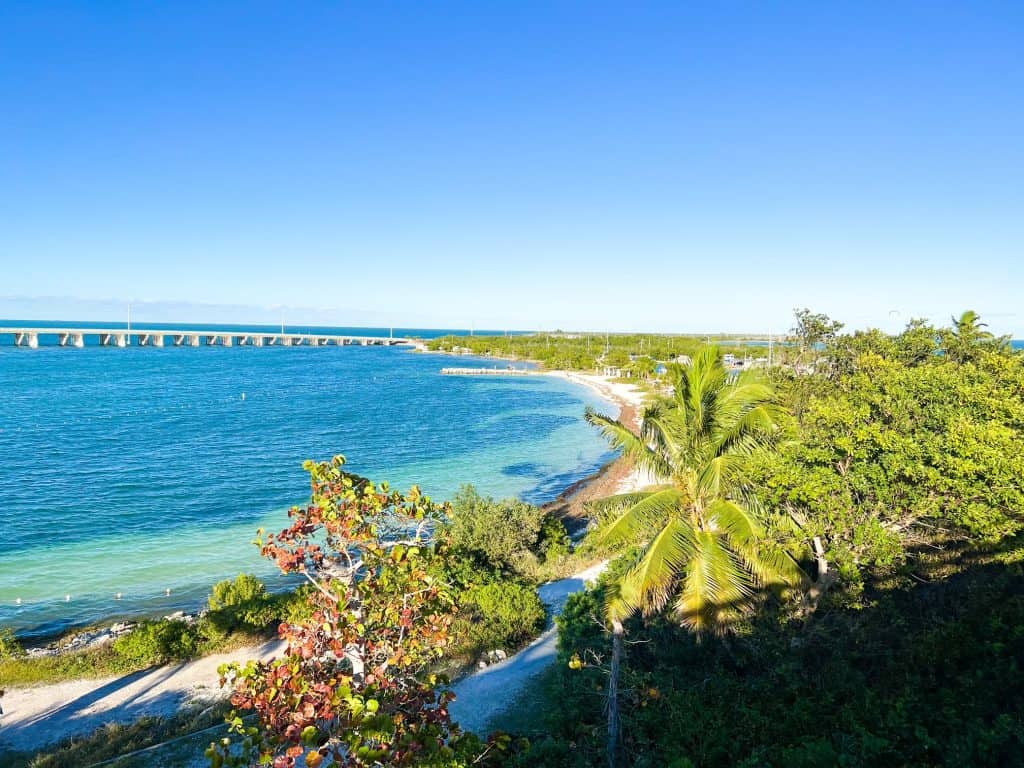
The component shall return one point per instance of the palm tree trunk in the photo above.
(613, 693)
(824, 581)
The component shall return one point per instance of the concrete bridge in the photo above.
(123, 337)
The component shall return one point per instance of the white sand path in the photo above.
(490, 691)
(40, 715)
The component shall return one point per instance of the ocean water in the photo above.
(139, 470)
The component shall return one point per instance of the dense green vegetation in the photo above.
(896, 485)
(588, 351)
(501, 550)
(928, 673)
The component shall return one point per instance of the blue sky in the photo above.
(655, 166)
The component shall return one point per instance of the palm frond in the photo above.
(662, 429)
(632, 446)
(738, 522)
(647, 514)
(769, 565)
(614, 505)
(715, 581)
(718, 476)
(649, 585)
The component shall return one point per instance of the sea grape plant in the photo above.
(354, 686)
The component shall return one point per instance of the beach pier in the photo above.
(29, 337)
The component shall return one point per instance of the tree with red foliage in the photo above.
(354, 687)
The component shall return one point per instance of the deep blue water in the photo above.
(140, 470)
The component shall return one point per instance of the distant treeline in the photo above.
(588, 351)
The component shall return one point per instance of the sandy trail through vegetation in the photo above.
(41, 715)
(490, 691)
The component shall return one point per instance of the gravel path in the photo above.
(35, 717)
(489, 692)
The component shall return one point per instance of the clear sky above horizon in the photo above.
(585, 165)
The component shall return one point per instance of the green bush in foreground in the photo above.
(10, 648)
(497, 533)
(501, 614)
(158, 642)
(929, 674)
(241, 604)
(554, 539)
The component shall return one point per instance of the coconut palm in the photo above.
(968, 335)
(968, 327)
(700, 530)
(702, 550)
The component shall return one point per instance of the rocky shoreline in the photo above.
(97, 637)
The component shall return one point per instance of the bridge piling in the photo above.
(29, 337)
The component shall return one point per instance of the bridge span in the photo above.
(124, 337)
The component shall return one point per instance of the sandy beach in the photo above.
(616, 477)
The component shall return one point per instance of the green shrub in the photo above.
(929, 674)
(158, 642)
(241, 604)
(554, 539)
(497, 532)
(10, 648)
(500, 615)
(296, 606)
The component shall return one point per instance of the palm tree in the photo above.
(967, 335)
(703, 555)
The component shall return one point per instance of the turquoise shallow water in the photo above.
(141, 470)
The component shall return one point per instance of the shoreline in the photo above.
(568, 506)
(39, 715)
(618, 475)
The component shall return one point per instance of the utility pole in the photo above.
(282, 322)
(129, 317)
(769, 349)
